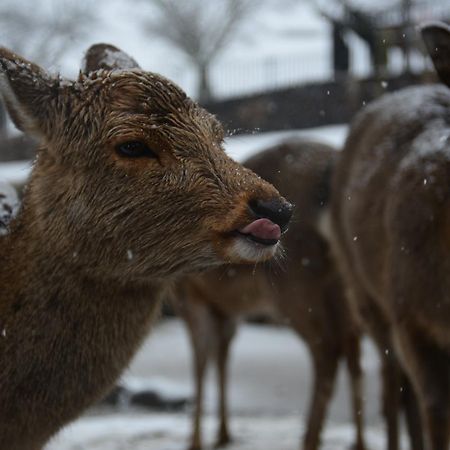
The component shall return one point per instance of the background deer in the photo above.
(304, 290)
(391, 216)
(130, 188)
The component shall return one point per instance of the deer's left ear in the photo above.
(437, 40)
(31, 95)
(108, 57)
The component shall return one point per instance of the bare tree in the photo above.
(199, 29)
(42, 32)
(45, 32)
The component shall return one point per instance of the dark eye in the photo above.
(135, 149)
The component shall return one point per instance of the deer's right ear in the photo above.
(437, 40)
(28, 92)
(108, 57)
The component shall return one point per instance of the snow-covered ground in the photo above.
(269, 389)
(243, 146)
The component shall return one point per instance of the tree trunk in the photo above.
(407, 26)
(3, 121)
(341, 52)
(204, 88)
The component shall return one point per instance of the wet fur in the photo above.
(391, 193)
(99, 237)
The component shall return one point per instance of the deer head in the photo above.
(437, 40)
(131, 180)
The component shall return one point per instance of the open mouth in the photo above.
(261, 231)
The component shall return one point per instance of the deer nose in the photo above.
(277, 210)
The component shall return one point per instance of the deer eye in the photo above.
(135, 149)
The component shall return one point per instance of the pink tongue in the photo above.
(262, 229)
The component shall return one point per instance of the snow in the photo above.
(243, 146)
(269, 389)
(414, 104)
(168, 432)
(118, 58)
(9, 205)
(15, 172)
(429, 150)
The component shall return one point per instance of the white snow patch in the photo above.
(243, 146)
(269, 388)
(15, 172)
(118, 59)
(9, 205)
(171, 432)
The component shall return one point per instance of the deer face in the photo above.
(134, 174)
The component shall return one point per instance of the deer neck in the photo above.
(52, 282)
(65, 334)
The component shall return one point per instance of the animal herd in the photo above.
(132, 199)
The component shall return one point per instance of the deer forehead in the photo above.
(145, 102)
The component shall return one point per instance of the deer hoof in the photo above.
(358, 446)
(195, 447)
(223, 441)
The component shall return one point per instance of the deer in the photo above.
(305, 292)
(130, 189)
(390, 219)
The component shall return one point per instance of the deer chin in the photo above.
(257, 241)
(245, 249)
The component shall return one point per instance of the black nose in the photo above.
(277, 210)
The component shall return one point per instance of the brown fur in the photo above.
(390, 213)
(99, 236)
(304, 290)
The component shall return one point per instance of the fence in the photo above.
(242, 78)
(310, 105)
(270, 73)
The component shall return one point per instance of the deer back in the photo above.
(391, 201)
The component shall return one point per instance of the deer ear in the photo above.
(29, 93)
(108, 57)
(437, 40)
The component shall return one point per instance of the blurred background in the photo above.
(253, 62)
(269, 69)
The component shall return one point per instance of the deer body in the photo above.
(390, 215)
(130, 189)
(305, 292)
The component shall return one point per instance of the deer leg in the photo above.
(353, 359)
(202, 332)
(412, 415)
(325, 367)
(200, 362)
(226, 331)
(429, 369)
(390, 375)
